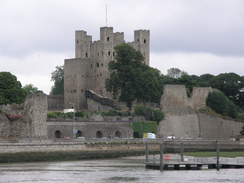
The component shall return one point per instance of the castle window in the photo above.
(86, 55)
(107, 38)
(145, 41)
(81, 91)
(74, 91)
(102, 64)
(97, 64)
(91, 65)
(108, 52)
(113, 53)
(101, 75)
(102, 52)
(77, 41)
(138, 40)
(82, 75)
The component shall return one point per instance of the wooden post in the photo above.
(217, 154)
(182, 151)
(146, 152)
(161, 156)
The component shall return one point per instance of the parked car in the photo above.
(170, 137)
(80, 139)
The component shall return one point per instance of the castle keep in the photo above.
(85, 74)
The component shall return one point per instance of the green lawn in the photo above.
(213, 154)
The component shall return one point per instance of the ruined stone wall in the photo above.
(36, 114)
(182, 118)
(55, 102)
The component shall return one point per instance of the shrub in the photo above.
(13, 117)
(222, 105)
(52, 115)
(144, 127)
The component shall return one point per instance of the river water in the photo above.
(117, 170)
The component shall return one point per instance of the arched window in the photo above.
(58, 134)
(118, 134)
(99, 134)
(79, 134)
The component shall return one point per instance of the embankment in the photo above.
(57, 151)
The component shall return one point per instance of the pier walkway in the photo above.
(174, 162)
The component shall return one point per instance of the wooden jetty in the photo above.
(181, 162)
(190, 166)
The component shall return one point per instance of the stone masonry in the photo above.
(183, 119)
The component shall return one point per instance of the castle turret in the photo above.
(82, 44)
(142, 43)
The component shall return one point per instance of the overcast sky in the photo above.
(197, 36)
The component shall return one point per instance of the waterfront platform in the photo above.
(174, 162)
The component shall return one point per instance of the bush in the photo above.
(144, 127)
(222, 105)
(149, 114)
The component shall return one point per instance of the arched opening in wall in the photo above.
(79, 134)
(118, 134)
(136, 135)
(145, 41)
(99, 134)
(58, 134)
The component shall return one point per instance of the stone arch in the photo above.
(99, 134)
(136, 135)
(79, 134)
(58, 134)
(118, 134)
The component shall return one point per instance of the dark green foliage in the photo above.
(144, 127)
(222, 105)
(11, 90)
(58, 78)
(131, 80)
(149, 113)
(30, 88)
(230, 84)
(175, 73)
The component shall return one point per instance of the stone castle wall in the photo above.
(36, 114)
(182, 118)
(89, 69)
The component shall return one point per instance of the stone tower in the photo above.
(89, 69)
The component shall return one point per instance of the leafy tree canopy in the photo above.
(131, 80)
(58, 78)
(175, 73)
(30, 88)
(11, 90)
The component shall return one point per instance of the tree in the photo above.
(221, 104)
(58, 78)
(30, 88)
(131, 80)
(11, 90)
(229, 83)
(175, 73)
